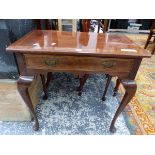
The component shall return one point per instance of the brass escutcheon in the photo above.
(51, 61)
(108, 63)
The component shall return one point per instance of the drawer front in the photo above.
(78, 63)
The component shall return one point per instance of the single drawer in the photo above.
(78, 63)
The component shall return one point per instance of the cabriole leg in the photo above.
(106, 87)
(23, 84)
(131, 88)
(116, 87)
(82, 82)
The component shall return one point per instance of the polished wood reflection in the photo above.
(85, 43)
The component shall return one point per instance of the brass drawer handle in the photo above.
(108, 64)
(51, 61)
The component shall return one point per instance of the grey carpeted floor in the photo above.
(66, 113)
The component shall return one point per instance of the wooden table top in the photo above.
(78, 43)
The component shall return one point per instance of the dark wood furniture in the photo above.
(85, 25)
(44, 24)
(43, 51)
(47, 24)
(103, 24)
(82, 77)
(151, 36)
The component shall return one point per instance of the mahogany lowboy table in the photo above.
(43, 51)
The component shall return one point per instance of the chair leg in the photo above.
(148, 39)
(99, 25)
(106, 87)
(153, 51)
(82, 82)
(105, 25)
(116, 87)
(106, 76)
(49, 78)
(45, 84)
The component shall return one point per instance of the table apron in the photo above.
(113, 66)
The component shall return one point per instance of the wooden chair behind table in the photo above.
(44, 24)
(151, 35)
(82, 77)
(85, 25)
(104, 23)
